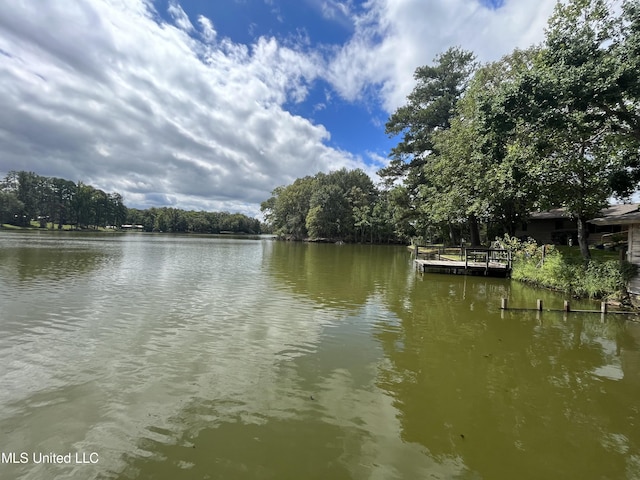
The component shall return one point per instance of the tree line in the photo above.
(175, 220)
(555, 125)
(26, 196)
(56, 202)
(341, 205)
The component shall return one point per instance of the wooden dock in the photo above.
(604, 309)
(491, 262)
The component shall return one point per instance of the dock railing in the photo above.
(488, 256)
(437, 252)
(476, 255)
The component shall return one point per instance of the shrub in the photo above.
(545, 266)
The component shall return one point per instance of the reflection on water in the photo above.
(336, 275)
(204, 357)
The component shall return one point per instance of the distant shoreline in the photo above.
(13, 228)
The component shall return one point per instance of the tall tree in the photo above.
(24, 185)
(476, 175)
(580, 99)
(117, 210)
(9, 207)
(286, 210)
(328, 215)
(82, 205)
(429, 109)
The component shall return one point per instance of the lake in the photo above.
(142, 356)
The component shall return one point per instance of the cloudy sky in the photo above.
(210, 104)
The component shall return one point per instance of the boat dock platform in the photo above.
(493, 262)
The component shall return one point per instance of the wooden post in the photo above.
(539, 305)
(566, 307)
(415, 250)
(544, 252)
(603, 307)
(503, 304)
(466, 258)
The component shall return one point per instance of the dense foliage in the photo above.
(548, 267)
(26, 196)
(342, 205)
(556, 125)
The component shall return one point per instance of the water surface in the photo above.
(224, 358)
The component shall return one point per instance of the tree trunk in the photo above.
(475, 231)
(452, 235)
(583, 236)
(511, 226)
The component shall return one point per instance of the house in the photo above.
(557, 227)
(630, 222)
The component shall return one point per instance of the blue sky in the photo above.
(354, 126)
(212, 104)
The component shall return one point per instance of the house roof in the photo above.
(624, 219)
(618, 215)
(605, 214)
(623, 209)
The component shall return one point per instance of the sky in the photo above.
(211, 104)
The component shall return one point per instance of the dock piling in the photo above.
(566, 308)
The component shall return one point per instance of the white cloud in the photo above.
(394, 37)
(332, 9)
(208, 32)
(107, 95)
(179, 16)
(104, 92)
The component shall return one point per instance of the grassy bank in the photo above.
(563, 269)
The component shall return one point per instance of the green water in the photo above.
(167, 357)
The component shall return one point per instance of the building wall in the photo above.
(549, 230)
(539, 230)
(633, 256)
(558, 231)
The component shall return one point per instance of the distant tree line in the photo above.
(174, 220)
(341, 205)
(55, 202)
(26, 196)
